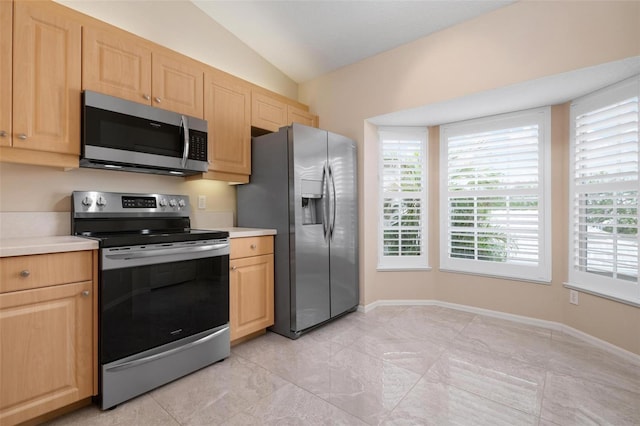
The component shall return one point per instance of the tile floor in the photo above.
(397, 366)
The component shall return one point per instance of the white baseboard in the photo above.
(551, 325)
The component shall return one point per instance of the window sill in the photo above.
(572, 286)
(498, 277)
(403, 268)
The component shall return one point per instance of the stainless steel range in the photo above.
(163, 290)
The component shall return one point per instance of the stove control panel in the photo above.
(129, 202)
(88, 203)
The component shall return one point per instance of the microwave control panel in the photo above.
(197, 145)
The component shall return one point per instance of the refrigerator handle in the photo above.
(325, 198)
(332, 202)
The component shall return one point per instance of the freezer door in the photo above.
(310, 297)
(343, 224)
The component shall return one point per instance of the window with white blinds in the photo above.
(403, 198)
(494, 197)
(604, 189)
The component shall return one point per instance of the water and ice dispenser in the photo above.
(311, 191)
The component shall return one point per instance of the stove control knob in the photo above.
(173, 202)
(181, 203)
(87, 201)
(163, 202)
(101, 201)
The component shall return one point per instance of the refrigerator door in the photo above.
(343, 225)
(310, 296)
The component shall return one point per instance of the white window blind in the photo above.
(403, 198)
(494, 178)
(604, 192)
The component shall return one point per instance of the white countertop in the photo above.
(247, 232)
(41, 245)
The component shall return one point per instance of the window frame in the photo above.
(399, 263)
(504, 270)
(593, 282)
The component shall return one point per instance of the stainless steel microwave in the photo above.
(122, 135)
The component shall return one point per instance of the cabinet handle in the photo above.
(157, 99)
(3, 133)
(22, 136)
(146, 97)
(85, 293)
(233, 268)
(25, 273)
(253, 246)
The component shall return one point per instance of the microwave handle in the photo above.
(185, 152)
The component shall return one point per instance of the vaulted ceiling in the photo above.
(305, 39)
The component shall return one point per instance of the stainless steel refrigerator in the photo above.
(304, 184)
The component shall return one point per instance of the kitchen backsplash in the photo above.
(211, 220)
(48, 224)
(34, 224)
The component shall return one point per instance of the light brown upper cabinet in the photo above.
(228, 113)
(177, 84)
(297, 115)
(119, 64)
(6, 26)
(43, 121)
(270, 111)
(267, 112)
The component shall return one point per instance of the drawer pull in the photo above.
(157, 99)
(253, 246)
(85, 293)
(3, 133)
(25, 273)
(146, 97)
(22, 136)
(233, 268)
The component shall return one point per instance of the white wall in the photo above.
(183, 27)
(525, 41)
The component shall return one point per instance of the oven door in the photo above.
(156, 294)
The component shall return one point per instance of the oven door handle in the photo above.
(135, 362)
(165, 252)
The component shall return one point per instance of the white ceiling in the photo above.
(308, 38)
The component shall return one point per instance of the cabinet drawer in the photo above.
(41, 270)
(251, 246)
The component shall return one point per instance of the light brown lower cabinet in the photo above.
(47, 345)
(250, 286)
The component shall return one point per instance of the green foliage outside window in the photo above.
(402, 216)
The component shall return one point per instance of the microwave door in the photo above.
(128, 136)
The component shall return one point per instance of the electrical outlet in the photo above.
(202, 202)
(573, 297)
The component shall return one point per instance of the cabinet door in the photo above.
(251, 295)
(6, 22)
(116, 64)
(46, 350)
(228, 112)
(296, 115)
(177, 84)
(267, 113)
(46, 78)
